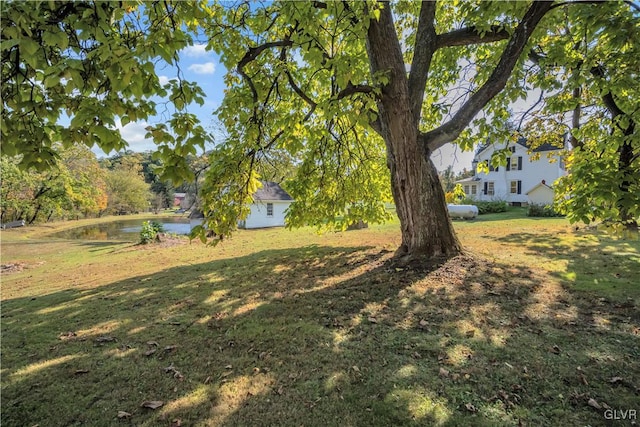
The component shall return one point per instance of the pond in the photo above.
(128, 229)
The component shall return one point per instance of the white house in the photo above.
(269, 206)
(522, 181)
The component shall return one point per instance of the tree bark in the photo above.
(425, 224)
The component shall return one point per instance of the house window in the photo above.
(512, 149)
(516, 187)
(269, 209)
(474, 190)
(514, 163)
(490, 189)
(466, 189)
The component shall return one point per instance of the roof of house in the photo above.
(547, 146)
(271, 191)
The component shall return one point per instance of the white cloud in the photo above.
(206, 68)
(164, 80)
(196, 51)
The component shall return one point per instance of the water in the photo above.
(128, 230)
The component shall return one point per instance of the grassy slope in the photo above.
(280, 327)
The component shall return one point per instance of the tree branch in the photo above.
(351, 89)
(423, 53)
(470, 35)
(449, 131)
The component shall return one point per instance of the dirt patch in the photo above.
(16, 267)
(162, 241)
(13, 267)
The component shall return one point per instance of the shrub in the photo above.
(545, 211)
(149, 231)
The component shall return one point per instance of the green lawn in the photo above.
(538, 324)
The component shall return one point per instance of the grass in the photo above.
(537, 325)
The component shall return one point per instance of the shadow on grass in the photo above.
(596, 262)
(316, 336)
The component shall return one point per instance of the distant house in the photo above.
(269, 207)
(522, 181)
(179, 198)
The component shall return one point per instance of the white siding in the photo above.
(258, 217)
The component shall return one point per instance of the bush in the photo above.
(545, 211)
(149, 232)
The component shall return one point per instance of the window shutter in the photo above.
(508, 163)
(519, 187)
(519, 163)
(484, 191)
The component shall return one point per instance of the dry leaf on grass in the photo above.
(469, 407)
(81, 371)
(152, 404)
(444, 372)
(594, 403)
(176, 423)
(123, 414)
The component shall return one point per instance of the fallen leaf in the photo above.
(444, 372)
(81, 371)
(616, 380)
(555, 349)
(470, 333)
(469, 407)
(176, 423)
(123, 414)
(593, 403)
(152, 404)
(372, 320)
(150, 352)
(206, 381)
(104, 339)
(355, 368)
(153, 343)
(170, 348)
(228, 367)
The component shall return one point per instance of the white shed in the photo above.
(269, 207)
(541, 194)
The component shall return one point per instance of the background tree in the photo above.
(127, 191)
(73, 187)
(590, 69)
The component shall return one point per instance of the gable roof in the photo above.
(541, 184)
(547, 146)
(271, 191)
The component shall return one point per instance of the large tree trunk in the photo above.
(419, 198)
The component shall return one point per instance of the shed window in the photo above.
(269, 209)
(474, 189)
(466, 189)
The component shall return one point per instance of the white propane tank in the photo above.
(462, 211)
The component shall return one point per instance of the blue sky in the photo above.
(202, 66)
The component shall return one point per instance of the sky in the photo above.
(202, 66)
